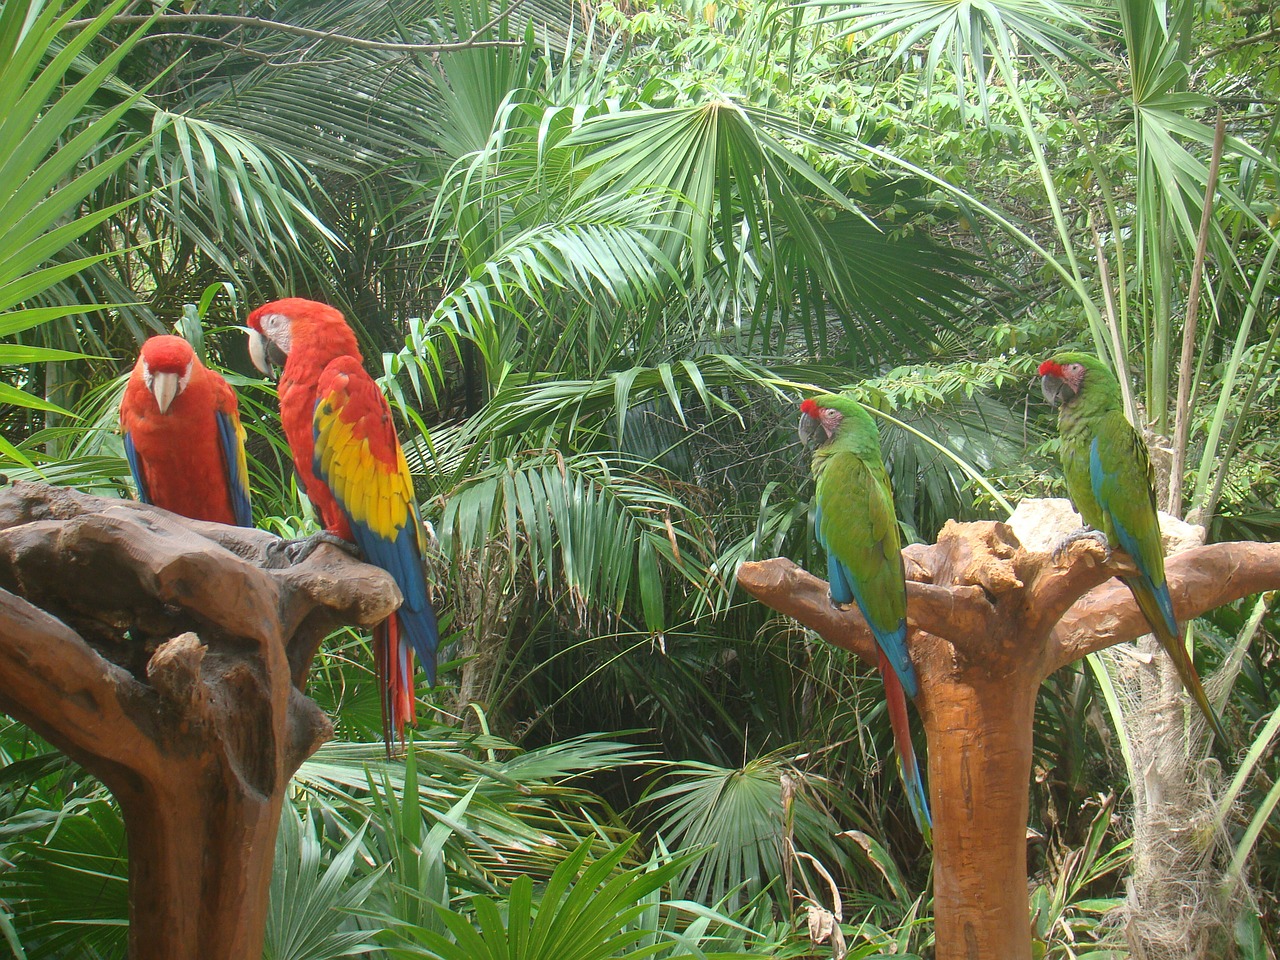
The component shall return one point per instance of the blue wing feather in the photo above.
(135, 467)
(229, 441)
(1098, 477)
(400, 558)
(844, 589)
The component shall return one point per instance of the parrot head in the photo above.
(821, 418)
(817, 424)
(166, 363)
(275, 327)
(1064, 375)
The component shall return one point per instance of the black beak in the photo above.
(811, 432)
(1055, 390)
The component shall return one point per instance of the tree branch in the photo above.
(258, 23)
(45, 663)
(1199, 579)
(793, 591)
(1056, 586)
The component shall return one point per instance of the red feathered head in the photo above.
(165, 364)
(167, 354)
(276, 328)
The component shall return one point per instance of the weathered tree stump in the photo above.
(989, 620)
(160, 654)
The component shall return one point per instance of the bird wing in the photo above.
(231, 439)
(1123, 483)
(857, 526)
(135, 467)
(358, 455)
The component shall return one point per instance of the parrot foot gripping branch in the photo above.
(286, 553)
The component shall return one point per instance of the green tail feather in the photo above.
(1173, 645)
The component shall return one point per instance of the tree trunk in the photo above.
(979, 767)
(160, 654)
(200, 858)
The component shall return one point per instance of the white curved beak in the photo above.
(164, 387)
(258, 352)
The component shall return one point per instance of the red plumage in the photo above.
(810, 408)
(178, 455)
(1051, 368)
(350, 464)
(318, 334)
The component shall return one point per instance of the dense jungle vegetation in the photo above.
(596, 252)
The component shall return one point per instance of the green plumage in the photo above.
(851, 481)
(857, 525)
(1111, 482)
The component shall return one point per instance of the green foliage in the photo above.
(586, 911)
(312, 900)
(50, 132)
(1064, 918)
(750, 821)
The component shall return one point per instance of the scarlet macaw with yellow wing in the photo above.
(351, 466)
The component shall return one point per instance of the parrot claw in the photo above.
(1059, 553)
(287, 553)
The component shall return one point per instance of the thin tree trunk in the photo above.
(979, 767)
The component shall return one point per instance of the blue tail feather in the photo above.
(401, 559)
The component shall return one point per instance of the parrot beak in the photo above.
(1056, 390)
(164, 387)
(811, 432)
(259, 353)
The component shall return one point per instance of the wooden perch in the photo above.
(989, 620)
(159, 653)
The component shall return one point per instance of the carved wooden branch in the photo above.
(989, 620)
(160, 654)
(1200, 580)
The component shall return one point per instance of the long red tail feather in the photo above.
(908, 767)
(395, 666)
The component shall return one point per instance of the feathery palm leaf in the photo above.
(310, 913)
(50, 129)
(750, 820)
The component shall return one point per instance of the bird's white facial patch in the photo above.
(277, 328)
(831, 420)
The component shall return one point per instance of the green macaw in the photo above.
(1112, 484)
(857, 526)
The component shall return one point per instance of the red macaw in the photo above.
(183, 437)
(349, 460)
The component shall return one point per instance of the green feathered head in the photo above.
(1068, 375)
(828, 414)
